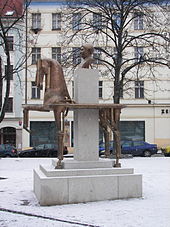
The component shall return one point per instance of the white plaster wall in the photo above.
(156, 124)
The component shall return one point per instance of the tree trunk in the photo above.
(8, 72)
(1, 83)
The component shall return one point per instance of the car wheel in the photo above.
(147, 153)
(50, 154)
(26, 154)
(8, 156)
(167, 154)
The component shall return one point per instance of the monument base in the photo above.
(70, 163)
(66, 186)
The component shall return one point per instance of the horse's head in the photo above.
(42, 69)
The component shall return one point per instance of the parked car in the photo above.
(7, 150)
(166, 151)
(135, 148)
(42, 150)
(139, 148)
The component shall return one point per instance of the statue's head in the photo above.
(87, 50)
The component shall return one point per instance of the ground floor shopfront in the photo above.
(134, 123)
(46, 132)
(157, 121)
(150, 123)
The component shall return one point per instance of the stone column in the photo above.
(86, 124)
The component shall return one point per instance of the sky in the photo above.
(19, 206)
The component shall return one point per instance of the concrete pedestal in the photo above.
(85, 178)
(86, 134)
(55, 187)
(86, 124)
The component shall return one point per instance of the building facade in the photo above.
(147, 112)
(11, 126)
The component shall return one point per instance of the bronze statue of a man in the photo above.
(86, 54)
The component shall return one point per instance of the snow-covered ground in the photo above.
(19, 207)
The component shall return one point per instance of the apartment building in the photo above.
(11, 126)
(147, 112)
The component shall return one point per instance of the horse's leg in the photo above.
(26, 110)
(59, 119)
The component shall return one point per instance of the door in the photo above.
(8, 136)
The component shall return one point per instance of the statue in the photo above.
(55, 85)
(55, 92)
(86, 54)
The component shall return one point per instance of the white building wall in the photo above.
(14, 119)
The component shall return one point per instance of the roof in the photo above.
(11, 8)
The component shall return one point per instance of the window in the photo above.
(115, 52)
(36, 54)
(138, 21)
(10, 40)
(97, 21)
(139, 89)
(50, 146)
(132, 129)
(8, 137)
(138, 52)
(56, 21)
(112, 51)
(9, 106)
(35, 91)
(117, 20)
(36, 20)
(76, 55)
(10, 73)
(41, 135)
(39, 147)
(76, 21)
(56, 53)
(97, 56)
(127, 144)
(100, 89)
(138, 143)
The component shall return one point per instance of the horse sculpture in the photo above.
(55, 92)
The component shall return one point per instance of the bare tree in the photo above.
(131, 38)
(11, 21)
